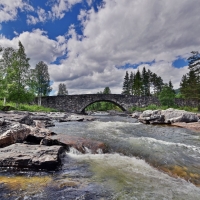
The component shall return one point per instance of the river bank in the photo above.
(138, 154)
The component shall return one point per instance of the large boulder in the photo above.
(172, 116)
(17, 133)
(31, 156)
(168, 116)
(81, 144)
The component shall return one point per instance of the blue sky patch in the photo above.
(180, 62)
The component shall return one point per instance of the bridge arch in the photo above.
(82, 110)
(77, 103)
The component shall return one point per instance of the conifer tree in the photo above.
(131, 80)
(138, 84)
(190, 83)
(146, 75)
(126, 86)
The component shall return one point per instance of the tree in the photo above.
(194, 62)
(166, 96)
(42, 80)
(146, 75)
(131, 80)
(190, 83)
(5, 66)
(157, 84)
(106, 90)
(171, 86)
(18, 75)
(137, 84)
(62, 89)
(126, 85)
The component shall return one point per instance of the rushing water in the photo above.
(144, 162)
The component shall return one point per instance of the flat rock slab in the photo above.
(16, 133)
(195, 126)
(31, 156)
(81, 144)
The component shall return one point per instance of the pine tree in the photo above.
(157, 84)
(138, 84)
(62, 89)
(131, 81)
(171, 86)
(190, 83)
(146, 82)
(126, 87)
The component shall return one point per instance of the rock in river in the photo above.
(17, 133)
(81, 144)
(31, 156)
(168, 116)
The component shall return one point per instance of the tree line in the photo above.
(147, 83)
(19, 82)
(143, 83)
(190, 82)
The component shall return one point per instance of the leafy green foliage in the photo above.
(42, 79)
(167, 96)
(103, 105)
(27, 107)
(62, 89)
(19, 83)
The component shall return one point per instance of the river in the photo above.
(144, 162)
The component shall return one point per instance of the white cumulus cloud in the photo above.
(131, 32)
(10, 8)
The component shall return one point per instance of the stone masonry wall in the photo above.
(77, 103)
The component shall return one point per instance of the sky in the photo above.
(90, 44)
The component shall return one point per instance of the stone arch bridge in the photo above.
(78, 103)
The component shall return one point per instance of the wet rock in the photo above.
(31, 156)
(18, 117)
(26, 120)
(167, 116)
(16, 133)
(194, 126)
(81, 144)
(78, 118)
(2, 122)
(136, 115)
(38, 132)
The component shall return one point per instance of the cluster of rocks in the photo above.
(171, 116)
(25, 141)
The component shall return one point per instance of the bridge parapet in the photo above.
(77, 103)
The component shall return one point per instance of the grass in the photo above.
(155, 107)
(26, 107)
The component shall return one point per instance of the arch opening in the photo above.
(102, 105)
